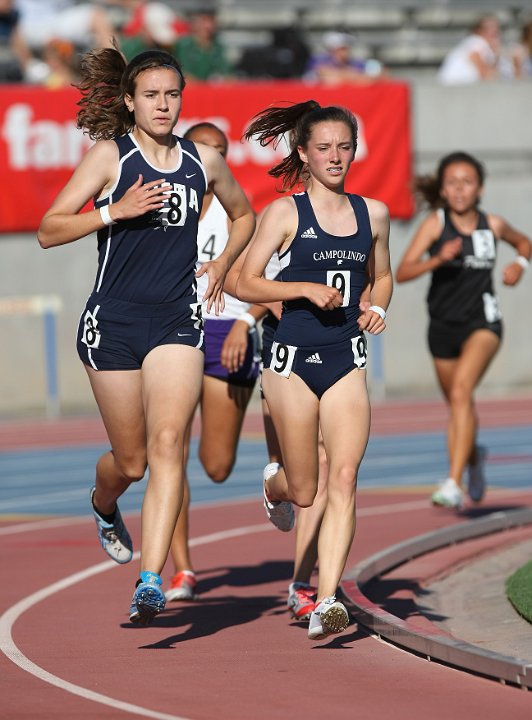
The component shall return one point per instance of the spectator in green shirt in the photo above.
(201, 55)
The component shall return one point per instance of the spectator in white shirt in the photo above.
(476, 57)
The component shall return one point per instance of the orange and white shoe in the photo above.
(182, 587)
(301, 600)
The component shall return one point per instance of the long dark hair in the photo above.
(105, 80)
(428, 187)
(297, 120)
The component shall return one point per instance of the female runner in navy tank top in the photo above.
(329, 243)
(141, 334)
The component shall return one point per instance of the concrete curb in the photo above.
(435, 644)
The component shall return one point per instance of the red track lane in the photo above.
(235, 654)
(392, 417)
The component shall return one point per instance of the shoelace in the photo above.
(110, 534)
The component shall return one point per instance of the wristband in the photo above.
(105, 215)
(523, 261)
(380, 311)
(248, 318)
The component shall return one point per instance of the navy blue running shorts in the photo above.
(319, 366)
(117, 335)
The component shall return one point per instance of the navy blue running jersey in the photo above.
(340, 262)
(151, 259)
(462, 289)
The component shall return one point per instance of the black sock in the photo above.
(109, 519)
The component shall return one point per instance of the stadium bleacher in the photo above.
(410, 37)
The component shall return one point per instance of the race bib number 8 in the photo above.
(341, 280)
(177, 205)
(91, 334)
(360, 351)
(282, 358)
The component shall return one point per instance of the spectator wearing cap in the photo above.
(200, 53)
(153, 25)
(337, 65)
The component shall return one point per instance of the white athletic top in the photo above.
(457, 68)
(212, 239)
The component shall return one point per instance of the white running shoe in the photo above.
(281, 514)
(114, 537)
(448, 494)
(476, 486)
(329, 617)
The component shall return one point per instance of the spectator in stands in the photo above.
(14, 53)
(522, 54)
(476, 57)
(85, 25)
(152, 25)
(62, 60)
(200, 53)
(337, 65)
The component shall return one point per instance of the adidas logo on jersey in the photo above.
(309, 233)
(314, 358)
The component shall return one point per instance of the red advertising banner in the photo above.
(40, 145)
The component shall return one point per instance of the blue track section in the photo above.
(56, 481)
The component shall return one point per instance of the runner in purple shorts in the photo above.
(230, 374)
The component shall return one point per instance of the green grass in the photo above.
(519, 590)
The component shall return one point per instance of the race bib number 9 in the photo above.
(341, 280)
(360, 351)
(282, 358)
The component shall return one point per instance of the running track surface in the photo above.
(71, 652)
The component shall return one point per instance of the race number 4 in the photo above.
(341, 280)
(282, 358)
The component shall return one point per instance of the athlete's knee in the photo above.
(217, 470)
(164, 443)
(460, 394)
(342, 482)
(303, 497)
(133, 467)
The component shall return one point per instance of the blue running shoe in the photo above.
(114, 538)
(148, 599)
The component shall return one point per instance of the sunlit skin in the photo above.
(156, 103)
(329, 153)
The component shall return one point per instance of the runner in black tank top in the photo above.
(140, 336)
(465, 327)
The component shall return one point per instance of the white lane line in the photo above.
(12, 652)
(361, 512)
